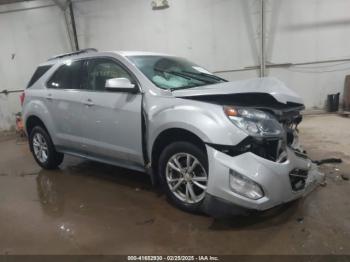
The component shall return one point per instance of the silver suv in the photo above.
(214, 146)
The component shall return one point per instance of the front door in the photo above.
(111, 121)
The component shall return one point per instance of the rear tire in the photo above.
(183, 172)
(43, 149)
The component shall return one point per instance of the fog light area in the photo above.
(244, 186)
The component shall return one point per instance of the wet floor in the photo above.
(92, 208)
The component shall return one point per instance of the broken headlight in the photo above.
(254, 122)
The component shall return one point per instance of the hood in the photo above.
(271, 86)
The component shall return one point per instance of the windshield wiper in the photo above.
(181, 87)
(186, 75)
(174, 73)
(206, 75)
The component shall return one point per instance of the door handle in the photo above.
(49, 97)
(89, 102)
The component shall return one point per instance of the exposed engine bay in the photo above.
(271, 148)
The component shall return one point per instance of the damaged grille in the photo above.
(273, 149)
(298, 178)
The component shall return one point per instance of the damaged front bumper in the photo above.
(280, 182)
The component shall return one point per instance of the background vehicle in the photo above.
(213, 145)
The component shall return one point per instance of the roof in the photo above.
(139, 53)
(86, 52)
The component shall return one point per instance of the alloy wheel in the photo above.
(186, 178)
(40, 147)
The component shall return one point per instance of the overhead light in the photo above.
(160, 4)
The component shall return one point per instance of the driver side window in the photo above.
(100, 70)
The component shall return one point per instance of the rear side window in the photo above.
(67, 76)
(39, 72)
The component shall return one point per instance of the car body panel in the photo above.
(207, 121)
(266, 85)
(34, 105)
(271, 176)
(111, 125)
(66, 109)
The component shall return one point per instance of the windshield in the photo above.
(173, 73)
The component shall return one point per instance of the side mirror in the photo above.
(120, 84)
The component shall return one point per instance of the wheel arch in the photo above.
(167, 137)
(33, 121)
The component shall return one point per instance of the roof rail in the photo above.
(87, 50)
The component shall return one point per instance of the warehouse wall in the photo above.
(224, 34)
(309, 30)
(27, 38)
(218, 34)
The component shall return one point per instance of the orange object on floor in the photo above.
(19, 124)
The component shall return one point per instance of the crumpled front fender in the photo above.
(207, 121)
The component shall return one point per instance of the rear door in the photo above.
(111, 121)
(64, 102)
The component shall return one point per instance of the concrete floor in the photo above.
(91, 208)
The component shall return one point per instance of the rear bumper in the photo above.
(273, 177)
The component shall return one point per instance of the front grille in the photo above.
(290, 136)
(298, 178)
(273, 149)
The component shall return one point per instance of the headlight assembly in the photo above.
(254, 122)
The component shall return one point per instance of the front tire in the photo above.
(43, 149)
(183, 171)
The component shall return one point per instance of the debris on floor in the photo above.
(323, 184)
(148, 221)
(300, 220)
(328, 161)
(344, 177)
(333, 171)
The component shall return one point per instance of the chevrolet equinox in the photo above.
(214, 146)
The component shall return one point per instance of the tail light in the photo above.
(22, 97)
